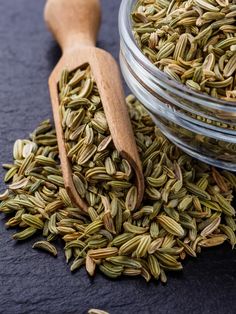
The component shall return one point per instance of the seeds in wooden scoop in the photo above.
(187, 204)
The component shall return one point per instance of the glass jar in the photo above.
(203, 126)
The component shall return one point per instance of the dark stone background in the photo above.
(33, 282)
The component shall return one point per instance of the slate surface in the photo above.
(33, 282)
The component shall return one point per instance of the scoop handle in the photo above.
(73, 22)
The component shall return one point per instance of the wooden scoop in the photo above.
(75, 24)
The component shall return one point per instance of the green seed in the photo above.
(46, 246)
(32, 221)
(25, 234)
(170, 225)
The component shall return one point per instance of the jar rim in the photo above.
(125, 30)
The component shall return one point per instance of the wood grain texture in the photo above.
(74, 24)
